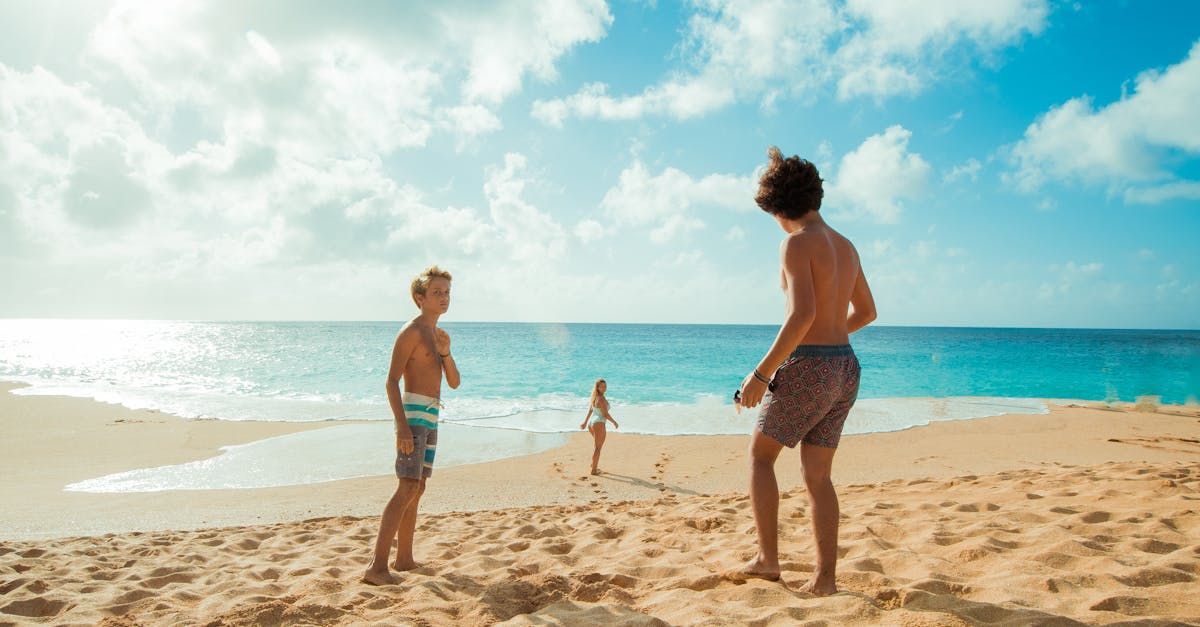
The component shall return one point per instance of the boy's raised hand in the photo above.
(441, 340)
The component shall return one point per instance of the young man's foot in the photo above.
(378, 578)
(595, 471)
(405, 566)
(755, 569)
(821, 586)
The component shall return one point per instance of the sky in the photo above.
(1000, 163)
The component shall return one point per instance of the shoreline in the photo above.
(1082, 515)
(639, 466)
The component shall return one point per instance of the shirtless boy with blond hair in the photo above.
(810, 370)
(420, 356)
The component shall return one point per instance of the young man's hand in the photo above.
(752, 390)
(441, 340)
(404, 440)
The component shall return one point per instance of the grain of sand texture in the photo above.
(1041, 541)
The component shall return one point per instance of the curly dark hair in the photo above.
(790, 187)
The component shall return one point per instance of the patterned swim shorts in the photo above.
(812, 392)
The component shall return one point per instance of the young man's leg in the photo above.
(764, 496)
(817, 462)
(389, 523)
(406, 530)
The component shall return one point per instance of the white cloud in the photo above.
(263, 48)
(1070, 276)
(824, 151)
(279, 161)
(664, 201)
(968, 169)
(1084, 268)
(278, 171)
(735, 234)
(352, 88)
(1121, 144)
(880, 247)
(951, 121)
(688, 259)
(1186, 190)
(468, 122)
(222, 212)
(673, 226)
(681, 100)
(738, 49)
(509, 39)
(873, 179)
(532, 235)
(589, 231)
(902, 44)
(741, 50)
(71, 162)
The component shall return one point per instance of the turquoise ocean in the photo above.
(524, 386)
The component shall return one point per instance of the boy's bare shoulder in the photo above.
(799, 242)
(408, 333)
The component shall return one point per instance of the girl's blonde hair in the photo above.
(596, 390)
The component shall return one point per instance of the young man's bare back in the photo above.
(420, 356)
(810, 369)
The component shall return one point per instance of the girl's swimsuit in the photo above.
(598, 416)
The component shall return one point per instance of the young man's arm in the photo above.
(448, 366)
(401, 353)
(801, 311)
(862, 304)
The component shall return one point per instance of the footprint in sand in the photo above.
(660, 467)
(597, 489)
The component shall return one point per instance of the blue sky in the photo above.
(1008, 163)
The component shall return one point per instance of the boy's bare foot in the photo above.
(754, 569)
(595, 471)
(821, 586)
(404, 566)
(378, 578)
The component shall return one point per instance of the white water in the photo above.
(360, 450)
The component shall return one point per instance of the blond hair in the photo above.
(596, 389)
(421, 282)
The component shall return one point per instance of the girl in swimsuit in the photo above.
(596, 421)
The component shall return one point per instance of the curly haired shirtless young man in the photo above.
(810, 370)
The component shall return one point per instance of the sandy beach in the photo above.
(1086, 515)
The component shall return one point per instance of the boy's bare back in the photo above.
(832, 263)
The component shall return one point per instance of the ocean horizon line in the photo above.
(585, 323)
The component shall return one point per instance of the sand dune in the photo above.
(1109, 543)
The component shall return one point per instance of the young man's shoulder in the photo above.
(802, 240)
(822, 236)
(409, 330)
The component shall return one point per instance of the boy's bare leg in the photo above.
(404, 534)
(377, 572)
(764, 496)
(817, 462)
